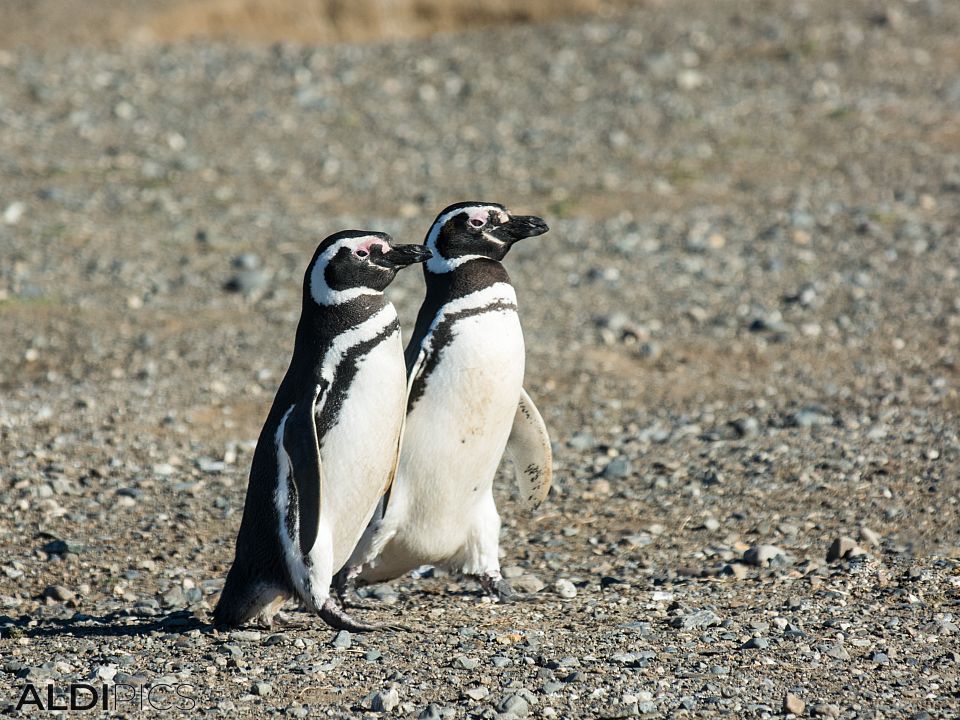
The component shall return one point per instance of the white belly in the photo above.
(456, 434)
(358, 452)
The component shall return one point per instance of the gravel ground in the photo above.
(743, 331)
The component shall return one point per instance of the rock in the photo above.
(757, 643)
(843, 548)
(694, 620)
(870, 537)
(515, 706)
(736, 569)
(582, 442)
(808, 418)
(825, 710)
(565, 589)
(529, 584)
(619, 467)
(59, 593)
(246, 635)
(261, 689)
(432, 712)
(477, 693)
(745, 427)
(248, 281)
(763, 555)
(793, 704)
(463, 662)
(385, 700)
(342, 640)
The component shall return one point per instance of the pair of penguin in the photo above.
(373, 460)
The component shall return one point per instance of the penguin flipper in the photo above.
(303, 449)
(529, 448)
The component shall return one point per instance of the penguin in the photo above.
(329, 447)
(466, 405)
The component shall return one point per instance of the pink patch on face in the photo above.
(480, 215)
(369, 243)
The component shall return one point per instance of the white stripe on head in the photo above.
(320, 291)
(437, 263)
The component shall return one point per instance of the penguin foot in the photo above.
(336, 618)
(343, 584)
(495, 586)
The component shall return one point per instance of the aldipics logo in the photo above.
(123, 697)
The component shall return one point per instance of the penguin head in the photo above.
(471, 230)
(352, 263)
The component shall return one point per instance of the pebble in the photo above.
(529, 584)
(465, 663)
(756, 643)
(825, 710)
(248, 281)
(261, 689)
(58, 593)
(515, 706)
(763, 555)
(619, 467)
(477, 693)
(843, 548)
(697, 619)
(246, 635)
(565, 589)
(793, 704)
(385, 700)
(870, 537)
(342, 640)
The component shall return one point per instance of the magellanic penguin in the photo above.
(329, 447)
(465, 365)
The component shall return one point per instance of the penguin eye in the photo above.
(361, 253)
(477, 222)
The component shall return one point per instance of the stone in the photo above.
(756, 643)
(763, 555)
(843, 548)
(870, 537)
(463, 662)
(342, 640)
(261, 689)
(58, 593)
(793, 704)
(477, 693)
(385, 700)
(565, 589)
(515, 706)
(528, 584)
(695, 620)
(618, 468)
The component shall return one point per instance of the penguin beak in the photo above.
(399, 256)
(518, 228)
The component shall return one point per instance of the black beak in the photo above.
(399, 256)
(520, 227)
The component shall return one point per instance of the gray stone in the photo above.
(565, 589)
(529, 584)
(463, 662)
(763, 555)
(385, 700)
(793, 704)
(619, 467)
(514, 705)
(58, 593)
(261, 689)
(694, 620)
(342, 640)
(843, 548)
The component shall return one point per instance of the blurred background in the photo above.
(742, 329)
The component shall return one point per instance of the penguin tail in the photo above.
(244, 598)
